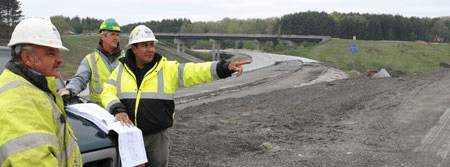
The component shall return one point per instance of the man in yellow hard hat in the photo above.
(33, 124)
(97, 66)
(141, 90)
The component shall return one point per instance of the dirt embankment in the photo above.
(347, 122)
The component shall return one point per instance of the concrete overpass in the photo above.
(215, 38)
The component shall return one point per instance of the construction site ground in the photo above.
(312, 115)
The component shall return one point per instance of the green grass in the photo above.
(398, 58)
(79, 47)
(200, 55)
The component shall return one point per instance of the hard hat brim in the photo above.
(139, 41)
(60, 47)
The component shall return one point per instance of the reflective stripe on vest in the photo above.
(111, 104)
(97, 88)
(180, 75)
(26, 142)
(145, 95)
(32, 140)
(119, 80)
(213, 71)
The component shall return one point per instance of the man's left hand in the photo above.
(123, 118)
(237, 67)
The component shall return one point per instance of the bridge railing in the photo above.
(206, 36)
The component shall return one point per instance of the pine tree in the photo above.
(10, 15)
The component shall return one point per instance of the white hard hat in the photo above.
(38, 31)
(141, 34)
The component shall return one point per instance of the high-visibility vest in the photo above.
(34, 130)
(100, 73)
(159, 83)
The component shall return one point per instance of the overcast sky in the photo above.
(133, 11)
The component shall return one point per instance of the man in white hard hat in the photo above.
(33, 126)
(97, 66)
(141, 90)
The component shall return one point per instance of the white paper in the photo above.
(94, 113)
(131, 142)
(131, 152)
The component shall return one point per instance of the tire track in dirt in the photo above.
(437, 140)
(427, 108)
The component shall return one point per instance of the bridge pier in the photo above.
(295, 44)
(259, 45)
(236, 44)
(215, 51)
(180, 45)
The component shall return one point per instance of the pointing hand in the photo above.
(237, 67)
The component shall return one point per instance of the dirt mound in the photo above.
(421, 42)
(346, 122)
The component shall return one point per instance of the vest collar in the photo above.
(47, 84)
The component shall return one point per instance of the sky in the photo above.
(134, 11)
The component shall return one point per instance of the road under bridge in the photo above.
(215, 38)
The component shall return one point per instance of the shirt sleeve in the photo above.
(79, 82)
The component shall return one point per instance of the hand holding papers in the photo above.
(131, 143)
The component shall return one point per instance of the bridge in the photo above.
(215, 38)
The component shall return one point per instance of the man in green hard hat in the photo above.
(97, 66)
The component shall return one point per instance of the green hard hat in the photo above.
(110, 24)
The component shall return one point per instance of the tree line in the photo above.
(76, 25)
(367, 26)
(337, 25)
(163, 26)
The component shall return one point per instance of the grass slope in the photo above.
(398, 58)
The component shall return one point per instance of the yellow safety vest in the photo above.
(34, 130)
(100, 73)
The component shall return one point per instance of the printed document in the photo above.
(131, 142)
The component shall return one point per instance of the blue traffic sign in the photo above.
(353, 50)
